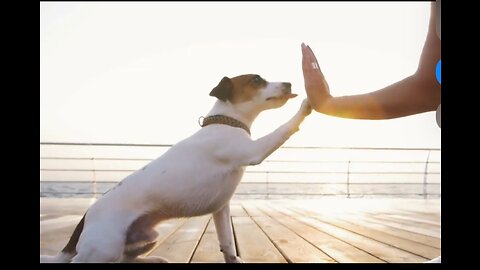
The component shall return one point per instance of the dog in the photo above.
(196, 176)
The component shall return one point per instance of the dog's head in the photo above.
(253, 89)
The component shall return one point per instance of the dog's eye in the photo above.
(257, 80)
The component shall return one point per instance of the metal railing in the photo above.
(91, 173)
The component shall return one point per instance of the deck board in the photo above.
(293, 247)
(179, 246)
(339, 250)
(412, 236)
(374, 247)
(381, 236)
(404, 226)
(253, 245)
(280, 231)
(208, 250)
(53, 237)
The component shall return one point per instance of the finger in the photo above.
(312, 55)
(307, 65)
(307, 61)
(309, 57)
(313, 59)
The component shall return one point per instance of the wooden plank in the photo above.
(403, 226)
(420, 238)
(421, 206)
(54, 236)
(381, 250)
(54, 224)
(428, 217)
(165, 229)
(339, 250)
(398, 242)
(253, 245)
(369, 211)
(65, 206)
(236, 210)
(58, 218)
(252, 209)
(179, 246)
(409, 219)
(208, 250)
(358, 216)
(292, 246)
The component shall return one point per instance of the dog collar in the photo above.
(225, 120)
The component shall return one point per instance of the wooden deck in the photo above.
(281, 231)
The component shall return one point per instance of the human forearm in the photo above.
(409, 96)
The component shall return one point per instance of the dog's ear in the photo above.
(224, 90)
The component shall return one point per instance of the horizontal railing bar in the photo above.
(107, 144)
(85, 170)
(338, 194)
(337, 172)
(89, 158)
(285, 147)
(270, 194)
(76, 181)
(360, 148)
(263, 172)
(351, 161)
(269, 161)
(67, 192)
(257, 183)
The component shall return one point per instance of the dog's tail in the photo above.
(69, 251)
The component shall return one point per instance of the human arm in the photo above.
(417, 93)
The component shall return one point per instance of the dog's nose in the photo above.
(287, 87)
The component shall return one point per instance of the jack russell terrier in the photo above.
(195, 177)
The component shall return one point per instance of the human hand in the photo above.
(315, 84)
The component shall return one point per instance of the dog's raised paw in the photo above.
(306, 108)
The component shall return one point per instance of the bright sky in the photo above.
(130, 72)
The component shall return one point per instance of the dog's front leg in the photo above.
(225, 234)
(260, 149)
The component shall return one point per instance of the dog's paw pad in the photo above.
(234, 259)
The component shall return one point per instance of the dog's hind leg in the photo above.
(61, 257)
(100, 244)
(131, 255)
(140, 242)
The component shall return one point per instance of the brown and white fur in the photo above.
(197, 176)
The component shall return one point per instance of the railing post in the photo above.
(94, 182)
(348, 180)
(425, 174)
(268, 192)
